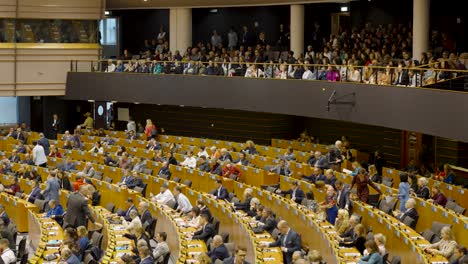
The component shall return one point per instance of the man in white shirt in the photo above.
(190, 161)
(131, 126)
(164, 197)
(8, 256)
(308, 74)
(183, 202)
(39, 156)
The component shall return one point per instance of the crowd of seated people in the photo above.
(335, 209)
(373, 54)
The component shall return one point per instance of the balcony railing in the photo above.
(434, 77)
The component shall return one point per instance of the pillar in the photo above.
(297, 29)
(420, 27)
(180, 29)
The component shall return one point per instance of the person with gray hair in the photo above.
(145, 255)
(135, 222)
(67, 256)
(409, 212)
(218, 249)
(88, 170)
(423, 191)
(296, 256)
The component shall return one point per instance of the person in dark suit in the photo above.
(137, 181)
(242, 160)
(44, 142)
(35, 192)
(317, 160)
(288, 240)
(3, 215)
(238, 258)
(67, 164)
(207, 230)
(56, 126)
(225, 155)
(221, 192)
(203, 209)
(245, 204)
(343, 200)
(218, 249)
(145, 255)
(165, 171)
(296, 193)
(146, 217)
(204, 165)
(267, 221)
(130, 206)
(410, 211)
(282, 168)
(77, 209)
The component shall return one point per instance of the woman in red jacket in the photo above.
(150, 130)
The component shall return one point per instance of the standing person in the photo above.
(131, 125)
(89, 121)
(39, 156)
(150, 130)
(362, 182)
(44, 142)
(77, 209)
(232, 39)
(403, 191)
(7, 254)
(288, 240)
(56, 125)
(51, 192)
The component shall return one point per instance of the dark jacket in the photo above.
(221, 193)
(292, 243)
(220, 253)
(205, 233)
(298, 194)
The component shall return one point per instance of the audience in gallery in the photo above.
(349, 56)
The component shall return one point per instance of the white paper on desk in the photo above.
(53, 248)
(191, 261)
(262, 236)
(119, 254)
(271, 250)
(123, 242)
(439, 262)
(118, 228)
(269, 259)
(347, 171)
(52, 233)
(195, 254)
(351, 254)
(332, 232)
(352, 262)
(423, 245)
(194, 246)
(264, 242)
(54, 228)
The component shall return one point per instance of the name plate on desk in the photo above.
(295, 211)
(240, 185)
(260, 193)
(455, 219)
(269, 197)
(423, 204)
(287, 206)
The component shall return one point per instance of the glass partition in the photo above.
(48, 31)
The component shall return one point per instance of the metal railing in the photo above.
(450, 79)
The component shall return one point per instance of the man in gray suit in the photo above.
(162, 248)
(77, 209)
(51, 191)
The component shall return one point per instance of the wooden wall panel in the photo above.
(64, 9)
(7, 8)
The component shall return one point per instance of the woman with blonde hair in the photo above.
(447, 244)
(150, 129)
(380, 240)
(203, 258)
(342, 221)
(356, 166)
(250, 148)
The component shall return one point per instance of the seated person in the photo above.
(295, 192)
(446, 246)
(137, 181)
(14, 187)
(282, 168)
(254, 204)
(380, 240)
(55, 212)
(206, 231)
(460, 255)
(221, 193)
(216, 167)
(231, 171)
(164, 197)
(245, 204)
(79, 181)
(374, 254)
(164, 170)
(218, 249)
(3, 215)
(357, 241)
(242, 160)
(88, 170)
(135, 220)
(437, 196)
(190, 161)
(342, 221)
(161, 248)
(410, 212)
(83, 240)
(34, 194)
(289, 154)
(315, 257)
(238, 258)
(309, 202)
(225, 155)
(204, 164)
(267, 221)
(7, 254)
(317, 175)
(67, 164)
(250, 149)
(194, 218)
(140, 165)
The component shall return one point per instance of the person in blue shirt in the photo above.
(403, 191)
(356, 168)
(83, 240)
(55, 212)
(67, 256)
(450, 178)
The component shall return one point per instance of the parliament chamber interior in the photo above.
(233, 131)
